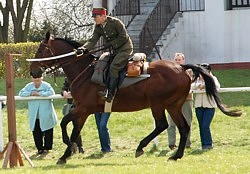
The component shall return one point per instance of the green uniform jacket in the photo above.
(113, 32)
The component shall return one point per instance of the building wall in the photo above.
(110, 4)
(97, 3)
(215, 35)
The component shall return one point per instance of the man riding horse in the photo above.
(119, 43)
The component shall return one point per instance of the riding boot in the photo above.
(110, 92)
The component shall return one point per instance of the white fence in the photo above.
(58, 96)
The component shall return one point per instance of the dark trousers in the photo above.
(43, 140)
(101, 119)
(205, 117)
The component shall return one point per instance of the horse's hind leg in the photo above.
(183, 127)
(160, 125)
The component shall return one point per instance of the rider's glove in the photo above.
(82, 50)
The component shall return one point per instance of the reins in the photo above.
(70, 61)
(83, 71)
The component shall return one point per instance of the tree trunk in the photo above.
(21, 19)
(5, 25)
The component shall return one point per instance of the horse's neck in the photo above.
(78, 71)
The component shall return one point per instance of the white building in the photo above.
(216, 34)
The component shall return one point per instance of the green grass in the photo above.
(234, 78)
(230, 136)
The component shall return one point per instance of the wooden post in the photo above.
(13, 149)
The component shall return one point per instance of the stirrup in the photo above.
(108, 97)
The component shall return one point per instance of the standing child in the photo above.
(42, 116)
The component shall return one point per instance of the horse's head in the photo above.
(50, 47)
(36, 68)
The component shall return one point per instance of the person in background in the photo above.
(205, 109)
(101, 119)
(65, 92)
(3, 104)
(186, 109)
(41, 112)
(118, 41)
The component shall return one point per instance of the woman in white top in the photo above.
(205, 109)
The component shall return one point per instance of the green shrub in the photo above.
(21, 66)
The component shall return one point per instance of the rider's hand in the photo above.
(82, 50)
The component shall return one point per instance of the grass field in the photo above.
(230, 136)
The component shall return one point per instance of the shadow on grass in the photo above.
(37, 156)
(197, 152)
(97, 155)
(155, 151)
(167, 152)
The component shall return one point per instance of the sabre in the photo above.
(52, 58)
(63, 55)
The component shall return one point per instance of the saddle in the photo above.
(136, 70)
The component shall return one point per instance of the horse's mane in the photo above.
(73, 43)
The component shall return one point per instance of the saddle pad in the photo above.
(131, 80)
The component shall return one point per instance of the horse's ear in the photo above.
(47, 35)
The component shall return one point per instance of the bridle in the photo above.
(56, 62)
(59, 63)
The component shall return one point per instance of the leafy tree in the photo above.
(37, 33)
(72, 19)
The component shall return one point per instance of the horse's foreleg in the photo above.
(66, 140)
(160, 125)
(67, 153)
(75, 134)
(63, 125)
(77, 126)
(75, 131)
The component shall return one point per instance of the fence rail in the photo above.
(58, 96)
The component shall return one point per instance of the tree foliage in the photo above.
(71, 19)
(18, 23)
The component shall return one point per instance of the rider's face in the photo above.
(100, 19)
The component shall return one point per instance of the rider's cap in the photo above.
(99, 11)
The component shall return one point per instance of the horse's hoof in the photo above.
(139, 153)
(61, 161)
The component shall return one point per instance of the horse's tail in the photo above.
(211, 88)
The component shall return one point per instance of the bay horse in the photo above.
(166, 89)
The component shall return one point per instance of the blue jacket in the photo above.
(40, 109)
